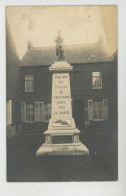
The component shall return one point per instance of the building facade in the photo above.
(93, 87)
(12, 86)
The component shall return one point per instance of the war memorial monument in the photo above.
(62, 136)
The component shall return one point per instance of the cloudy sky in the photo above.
(78, 25)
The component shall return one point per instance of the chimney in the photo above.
(29, 45)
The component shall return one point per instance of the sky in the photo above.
(78, 25)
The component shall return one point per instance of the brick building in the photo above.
(93, 87)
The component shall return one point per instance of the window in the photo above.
(98, 110)
(27, 112)
(35, 112)
(96, 80)
(29, 83)
(39, 111)
(9, 112)
(30, 112)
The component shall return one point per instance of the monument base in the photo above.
(63, 149)
(62, 142)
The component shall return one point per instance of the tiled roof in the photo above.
(74, 54)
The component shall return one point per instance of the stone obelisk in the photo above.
(62, 136)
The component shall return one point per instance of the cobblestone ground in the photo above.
(24, 166)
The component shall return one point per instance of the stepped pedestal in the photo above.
(62, 136)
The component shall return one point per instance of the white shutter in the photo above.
(90, 109)
(105, 109)
(9, 112)
(23, 112)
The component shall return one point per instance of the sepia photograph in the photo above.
(61, 93)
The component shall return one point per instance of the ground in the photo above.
(99, 165)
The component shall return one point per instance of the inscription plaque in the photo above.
(61, 97)
(61, 139)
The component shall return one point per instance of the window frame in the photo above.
(94, 103)
(39, 110)
(30, 121)
(104, 104)
(31, 80)
(101, 87)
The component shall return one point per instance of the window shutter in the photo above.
(105, 109)
(23, 111)
(9, 112)
(90, 109)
